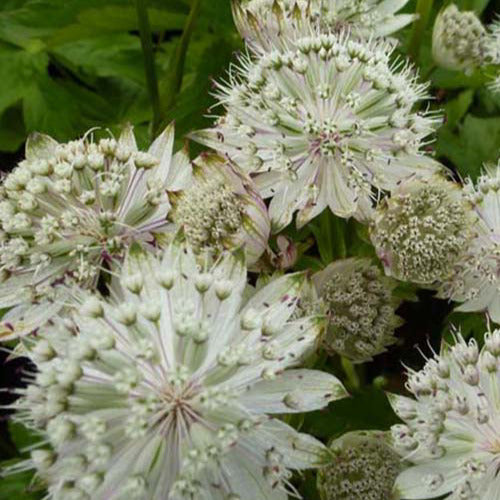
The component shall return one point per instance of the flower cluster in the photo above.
(69, 211)
(475, 280)
(264, 23)
(360, 306)
(458, 39)
(168, 393)
(450, 430)
(220, 209)
(361, 466)
(422, 229)
(323, 121)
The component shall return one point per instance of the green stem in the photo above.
(149, 63)
(424, 8)
(425, 76)
(351, 374)
(339, 237)
(173, 85)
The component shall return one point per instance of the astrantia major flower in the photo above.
(167, 392)
(221, 210)
(458, 40)
(264, 23)
(421, 231)
(451, 427)
(322, 121)
(70, 210)
(361, 465)
(360, 307)
(475, 280)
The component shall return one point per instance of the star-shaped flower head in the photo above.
(323, 121)
(360, 305)
(264, 23)
(475, 280)
(221, 210)
(69, 211)
(423, 229)
(168, 391)
(360, 465)
(458, 39)
(451, 426)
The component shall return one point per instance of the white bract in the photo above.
(69, 211)
(323, 121)
(168, 392)
(475, 280)
(458, 39)
(422, 230)
(221, 210)
(264, 23)
(451, 428)
(360, 306)
(361, 466)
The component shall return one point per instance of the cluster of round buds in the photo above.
(169, 392)
(70, 210)
(323, 121)
(421, 231)
(475, 280)
(360, 466)
(360, 306)
(458, 40)
(264, 23)
(221, 210)
(450, 430)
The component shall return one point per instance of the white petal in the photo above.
(294, 391)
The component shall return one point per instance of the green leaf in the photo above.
(18, 68)
(456, 108)
(469, 325)
(12, 133)
(18, 486)
(21, 436)
(108, 55)
(98, 21)
(365, 410)
(475, 143)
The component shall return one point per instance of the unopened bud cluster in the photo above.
(361, 466)
(422, 229)
(459, 39)
(448, 426)
(360, 306)
(221, 210)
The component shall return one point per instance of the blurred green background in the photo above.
(70, 65)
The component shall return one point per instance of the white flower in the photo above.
(493, 54)
(264, 23)
(167, 393)
(360, 306)
(451, 428)
(421, 231)
(492, 44)
(494, 84)
(322, 122)
(361, 466)
(458, 39)
(69, 211)
(220, 209)
(476, 276)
